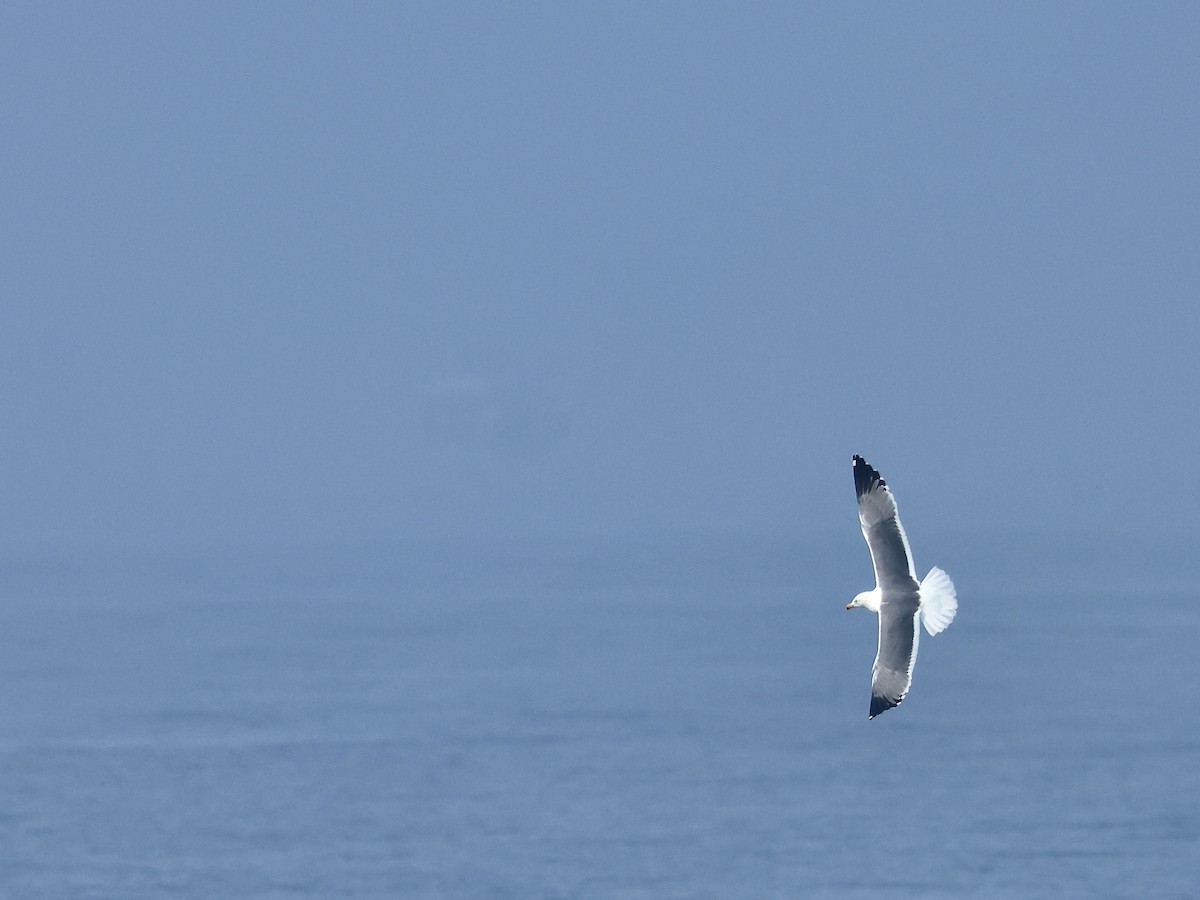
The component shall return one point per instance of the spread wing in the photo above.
(899, 636)
(881, 527)
(899, 633)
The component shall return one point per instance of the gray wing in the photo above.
(899, 636)
(881, 527)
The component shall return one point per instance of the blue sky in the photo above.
(301, 272)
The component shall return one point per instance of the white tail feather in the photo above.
(939, 602)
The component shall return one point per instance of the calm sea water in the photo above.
(596, 733)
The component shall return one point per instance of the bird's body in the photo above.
(902, 603)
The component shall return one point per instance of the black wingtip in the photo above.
(880, 704)
(865, 477)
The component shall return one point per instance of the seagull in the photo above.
(903, 605)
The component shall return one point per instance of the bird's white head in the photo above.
(869, 599)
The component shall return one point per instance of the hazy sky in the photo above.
(300, 272)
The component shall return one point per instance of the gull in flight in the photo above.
(903, 605)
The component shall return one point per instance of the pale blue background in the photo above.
(425, 436)
(289, 272)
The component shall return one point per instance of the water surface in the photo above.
(587, 735)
